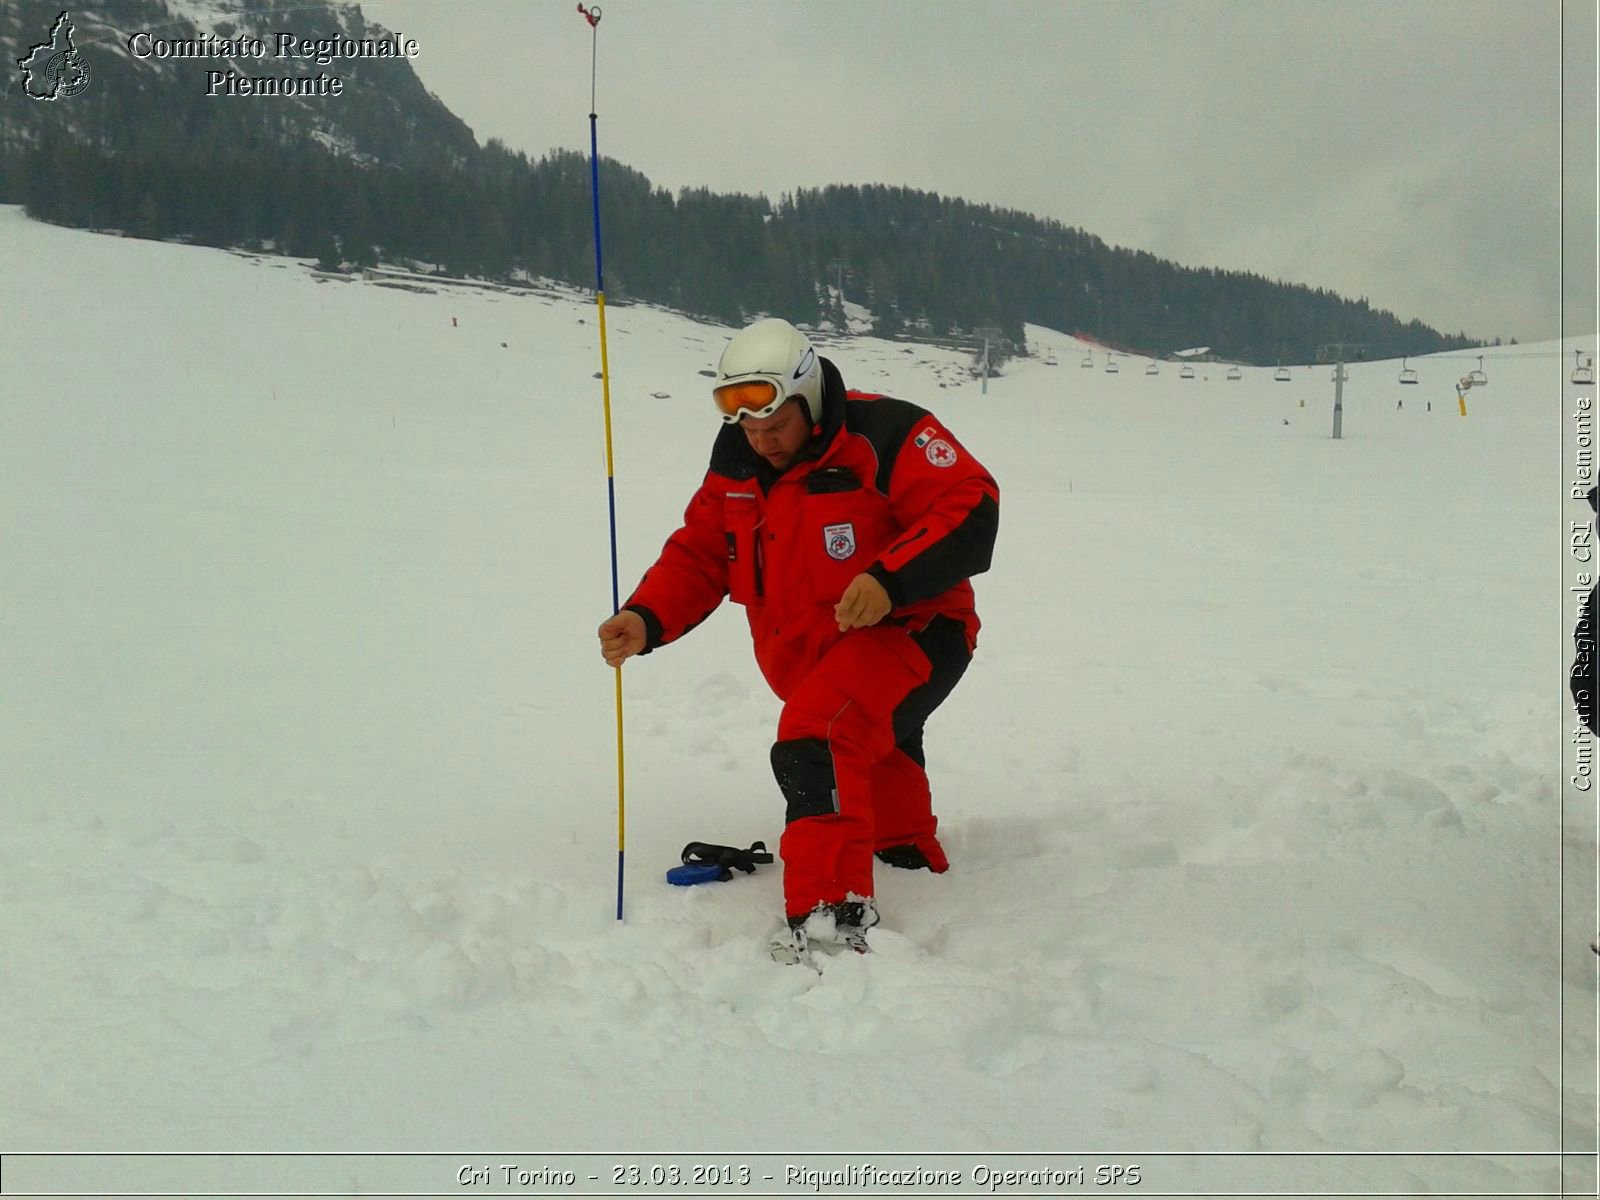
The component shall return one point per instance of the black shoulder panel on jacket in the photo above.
(965, 551)
(887, 423)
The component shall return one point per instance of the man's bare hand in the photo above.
(864, 603)
(621, 637)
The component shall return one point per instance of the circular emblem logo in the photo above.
(68, 74)
(941, 453)
(840, 540)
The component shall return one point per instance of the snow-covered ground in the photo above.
(1253, 792)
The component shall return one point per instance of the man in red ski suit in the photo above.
(848, 525)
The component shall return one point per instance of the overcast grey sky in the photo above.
(1408, 151)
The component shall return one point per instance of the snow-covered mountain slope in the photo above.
(309, 826)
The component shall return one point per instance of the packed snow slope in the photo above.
(309, 770)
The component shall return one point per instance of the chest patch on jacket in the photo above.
(840, 540)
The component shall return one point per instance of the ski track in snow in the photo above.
(1248, 793)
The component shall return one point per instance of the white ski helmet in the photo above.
(765, 365)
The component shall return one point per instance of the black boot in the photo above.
(850, 918)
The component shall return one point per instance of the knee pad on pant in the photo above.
(803, 768)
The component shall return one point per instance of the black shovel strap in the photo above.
(710, 854)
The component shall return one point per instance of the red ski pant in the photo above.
(850, 790)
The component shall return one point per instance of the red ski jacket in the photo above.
(883, 488)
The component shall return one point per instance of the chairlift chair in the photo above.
(1479, 379)
(1407, 374)
(1186, 373)
(1088, 360)
(1235, 373)
(1584, 372)
(1111, 365)
(1152, 369)
(1049, 358)
(1281, 375)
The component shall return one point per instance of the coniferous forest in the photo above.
(403, 181)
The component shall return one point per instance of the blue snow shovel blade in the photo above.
(692, 873)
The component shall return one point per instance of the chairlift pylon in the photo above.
(1407, 374)
(1583, 372)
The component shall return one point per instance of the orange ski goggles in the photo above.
(750, 396)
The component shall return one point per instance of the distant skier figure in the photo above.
(1399, 404)
(848, 525)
